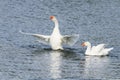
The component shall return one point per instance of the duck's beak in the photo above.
(83, 44)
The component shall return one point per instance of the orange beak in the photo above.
(83, 44)
(51, 17)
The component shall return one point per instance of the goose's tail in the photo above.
(109, 49)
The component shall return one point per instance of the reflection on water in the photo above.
(95, 67)
(55, 63)
(95, 23)
(58, 64)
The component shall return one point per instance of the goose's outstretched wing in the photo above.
(41, 38)
(70, 39)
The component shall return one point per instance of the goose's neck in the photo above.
(88, 49)
(56, 29)
(56, 24)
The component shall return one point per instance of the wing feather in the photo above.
(42, 38)
(70, 39)
(98, 48)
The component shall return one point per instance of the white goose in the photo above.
(98, 50)
(56, 40)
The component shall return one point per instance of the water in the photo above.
(22, 58)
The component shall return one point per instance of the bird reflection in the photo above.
(55, 63)
(95, 66)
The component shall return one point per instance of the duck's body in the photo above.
(56, 39)
(98, 50)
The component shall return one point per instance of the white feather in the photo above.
(70, 39)
(41, 38)
(98, 50)
(56, 40)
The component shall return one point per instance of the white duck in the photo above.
(98, 50)
(56, 40)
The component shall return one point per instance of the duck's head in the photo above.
(85, 43)
(53, 18)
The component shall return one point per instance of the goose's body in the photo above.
(98, 50)
(56, 40)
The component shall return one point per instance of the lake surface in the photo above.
(22, 58)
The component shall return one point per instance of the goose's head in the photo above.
(86, 43)
(53, 18)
